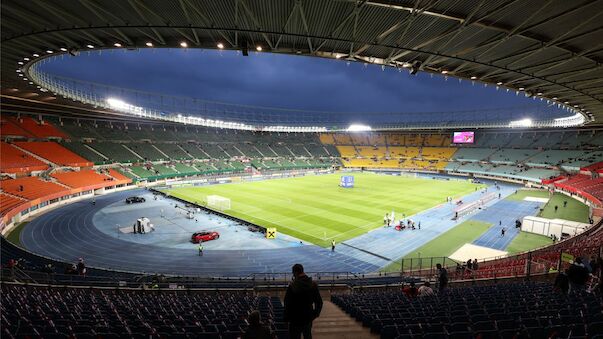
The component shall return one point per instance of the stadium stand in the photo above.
(54, 153)
(85, 178)
(31, 188)
(13, 160)
(85, 151)
(40, 129)
(174, 151)
(8, 202)
(115, 152)
(10, 128)
(517, 310)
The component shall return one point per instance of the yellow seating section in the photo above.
(360, 139)
(403, 152)
(347, 151)
(342, 139)
(372, 152)
(438, 153)
(327, 138)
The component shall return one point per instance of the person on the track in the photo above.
(200, 247)
(333, 245)
(502, 232)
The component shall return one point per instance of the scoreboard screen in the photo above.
(463, 137)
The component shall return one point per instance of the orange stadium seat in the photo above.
(55, 153)
(8, 127)
(327, 139)
(31, 188)
(8, 202)
(118, 176)
(44, 130)
(14, 160)
(82, 178)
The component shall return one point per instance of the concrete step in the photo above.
(333, 323)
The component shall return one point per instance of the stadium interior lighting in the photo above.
(149, 44)
(20, 62)
(499, 83)
(521, 88)
(90, 46)
(539, 93)
(26, 59)
(337, 56)
(444, 72)
(48, 51)
(183, 44)
(473, 77)
(36, 55)
(121, 105)
(521, 123)
(117, 44)
(554, 98)
(358, 128)
(63, 49)
(220, 45)
(258, 48)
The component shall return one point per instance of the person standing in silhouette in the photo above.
(303, 304)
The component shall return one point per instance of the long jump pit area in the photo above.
(471, 251)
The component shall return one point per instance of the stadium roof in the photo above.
(547, 48)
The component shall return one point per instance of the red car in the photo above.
(204, 236)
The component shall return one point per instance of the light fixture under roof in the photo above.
(358, 128)
(149, 44)
(521, 88)
(499, 83)
(90, 46)
(258, 48)
(36, 55)
(48, 51)
(337, 56)
(20, 62)
(26, 59)
(220, 45)
(117, 44)
(63, 49)
(444, 72)
(473, 77)
(183, 44)
(539, 93)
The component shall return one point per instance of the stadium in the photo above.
(133, 209)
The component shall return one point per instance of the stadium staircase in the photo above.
(333, 323)
(132, 151)
(33, 155)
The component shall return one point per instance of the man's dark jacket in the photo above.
(302, 301)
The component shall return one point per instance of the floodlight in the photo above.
(444, 72)
(90, 46)
(358, 128)
(499, 83)
(258, 48)
(521, 123)
(36, 55)
(183, 44)
(521, 88)
(48, 51)
(63, 49)
(117, 44)
(473, 77)
(149, 44)
(220, 45)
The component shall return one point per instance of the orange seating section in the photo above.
(82, 178)
(8, 202)
(44, 130)
(55, 153)
(14, 160)
(32, 187)
(115, 174)
(8, 127)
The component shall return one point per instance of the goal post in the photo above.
(218, 202)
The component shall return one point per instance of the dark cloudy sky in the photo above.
(285, 81)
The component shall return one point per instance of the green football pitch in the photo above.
(315, 209)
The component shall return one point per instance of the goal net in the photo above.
(217, 202)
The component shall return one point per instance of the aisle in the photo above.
(333, 323)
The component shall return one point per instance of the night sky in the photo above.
(283, 81)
